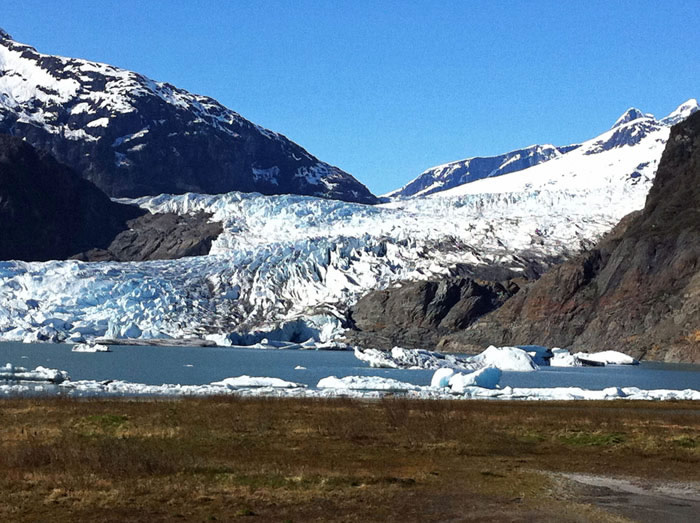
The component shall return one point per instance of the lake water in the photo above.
(201, 365)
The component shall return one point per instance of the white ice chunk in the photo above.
(365, 383)
(441, 378)
(240, 382)
(90, 347)
(607, 357)
(486, 378)
(11, 373)
(563, 358)
(506, 358)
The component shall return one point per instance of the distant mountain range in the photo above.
(629, 130)
(132, 136)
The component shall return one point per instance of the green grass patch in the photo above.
(686, 442)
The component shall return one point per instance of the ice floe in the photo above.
(607, 357)
(563, 358)
(90, 347)
(504, 358)
(446, 384)
(366, 383)
(486, 378)
(10, 373)
(247, 382)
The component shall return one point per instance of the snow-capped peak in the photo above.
(629, 115)
(114, 127)
(682, 112)
(4, 35)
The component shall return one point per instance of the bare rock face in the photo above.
(638, 291)
(164, 236)
(416, 314)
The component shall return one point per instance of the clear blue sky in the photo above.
(386, 89)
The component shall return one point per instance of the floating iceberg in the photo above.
(247, 382)
(446, 384)
(504, 358)
(607, 357)
(87, 347)
(486, 378)
(563, 358)
(441, 378)
(366, 383)
(41, 374)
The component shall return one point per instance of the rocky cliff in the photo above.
(417, 314)
(164, 236)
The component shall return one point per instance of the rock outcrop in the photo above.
(637, 291)
(48, 212)
(165, 236)
(416, 314)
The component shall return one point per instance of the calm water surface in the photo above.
(200, 365)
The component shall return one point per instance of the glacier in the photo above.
(287, 267)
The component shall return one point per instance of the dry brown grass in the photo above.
(313, 460)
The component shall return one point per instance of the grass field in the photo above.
(227, 459)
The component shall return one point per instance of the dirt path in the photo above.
(638, 500)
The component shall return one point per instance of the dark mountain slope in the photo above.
(132, 136)
(47, 211)
(638, 291)
(417, 314)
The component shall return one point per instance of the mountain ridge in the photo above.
(133, 136)
(631, 127)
